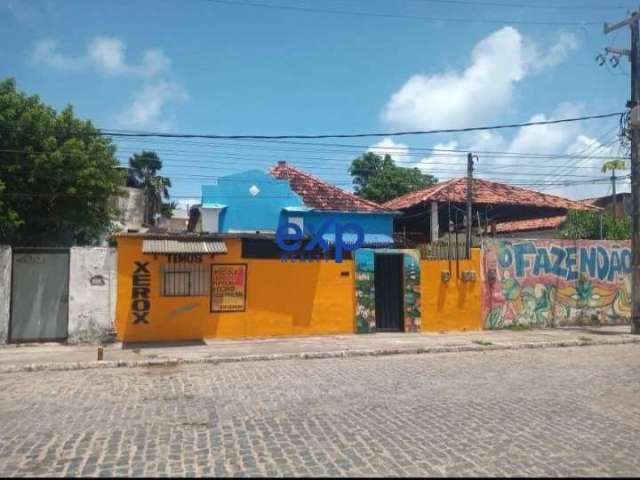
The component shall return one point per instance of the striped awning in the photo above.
(183, 246)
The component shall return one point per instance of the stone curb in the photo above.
(169, 362)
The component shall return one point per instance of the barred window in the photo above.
(185, 280)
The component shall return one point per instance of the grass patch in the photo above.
(518, 327)
(484, 343)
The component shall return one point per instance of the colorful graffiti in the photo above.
(365, 290)
(412, 313)
(549, 283)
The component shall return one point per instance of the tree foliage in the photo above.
(613, 165)
(143, 173)
(379, 179)
(58, 175)
(585, 225)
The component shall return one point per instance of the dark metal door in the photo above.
(388, 280)
(39, 295)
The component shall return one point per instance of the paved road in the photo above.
(572, 411)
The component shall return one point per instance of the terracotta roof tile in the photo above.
(321, 195)
(532, 224)
(484, 192)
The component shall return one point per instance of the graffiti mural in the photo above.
(412, 313)
(549, 283)
(365, 290)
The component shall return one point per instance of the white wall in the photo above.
(92, 293)
(5, 291)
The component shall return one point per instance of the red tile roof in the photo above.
(321, 195)
(484, 192)
(532, 224)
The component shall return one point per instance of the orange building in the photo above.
(185, 287)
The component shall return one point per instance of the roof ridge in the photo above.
(433, 188)
(328, 185)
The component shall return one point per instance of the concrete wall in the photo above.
(5, 291)
(131, 208)
(92, 293)
(281, 298)
(454, 304)
(550, 283)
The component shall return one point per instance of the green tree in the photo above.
(59, 175)
(143, 173)
(379, 179)
(613, 165)
(586, 225)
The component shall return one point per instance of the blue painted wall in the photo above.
(245, 211)
(371, 223)
(266, 210)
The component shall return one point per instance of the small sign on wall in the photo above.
(228, 287)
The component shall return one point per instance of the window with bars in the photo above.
(185, 280)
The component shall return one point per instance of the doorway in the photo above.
(388, 281)
(39, 295)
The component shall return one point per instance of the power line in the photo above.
(526, 5)
(128, 133)
(396, 15)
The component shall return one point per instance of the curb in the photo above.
(170, 362)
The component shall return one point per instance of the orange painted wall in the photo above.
(454, 305)
(282, 299)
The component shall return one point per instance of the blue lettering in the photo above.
(603, 263)
(519, 251)
(572, 254)
(283, 235)
(588, 262)
(616, 265)
(505, 257)
(626, 260)
(542, 262)
(340, 245)
(560, 255)
(317, 239)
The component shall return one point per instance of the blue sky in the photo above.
(206, 67)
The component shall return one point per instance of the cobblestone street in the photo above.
(565, 411)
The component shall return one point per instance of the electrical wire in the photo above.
(466, 20)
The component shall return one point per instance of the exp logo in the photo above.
(293, 242)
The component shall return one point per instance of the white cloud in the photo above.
(148, 108)
(399, 152)
(107, 55)
(562, 139)
(566, 44)
(453, 99)
(46, 52)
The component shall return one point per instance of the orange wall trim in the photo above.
(452, 305)
(309, 298)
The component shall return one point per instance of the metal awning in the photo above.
(183, 246)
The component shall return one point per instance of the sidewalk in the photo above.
(36, 357)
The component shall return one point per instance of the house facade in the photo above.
(259, 202)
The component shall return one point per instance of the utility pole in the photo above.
(634, 57)
(469, 202)
(613, 192)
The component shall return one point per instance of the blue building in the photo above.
(256, 201)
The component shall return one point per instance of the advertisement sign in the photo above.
(289, 238)
(228, 287)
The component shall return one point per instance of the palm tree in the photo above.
(613, 165)
(143, 173)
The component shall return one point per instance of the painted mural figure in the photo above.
(556, 283)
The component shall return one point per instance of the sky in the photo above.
(338, 66)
